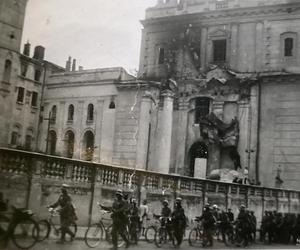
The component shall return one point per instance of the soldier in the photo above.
(224, 224)
(179, 221)
(166, 214)
(119, 219)
(243, 222)
(67, 213)
(208, 224)
(134, 221)
(230, 215)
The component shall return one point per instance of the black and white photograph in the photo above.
(149, 124)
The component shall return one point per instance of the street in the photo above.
(80, 245)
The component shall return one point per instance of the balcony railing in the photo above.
(36, 167)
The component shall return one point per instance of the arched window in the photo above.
(28, 139)
(288, 46)
(7, 71)
(71, 112)
(88, 145)
(53, 114)
(90, 112)
(15, 135)
(69, 143)
(51, 143)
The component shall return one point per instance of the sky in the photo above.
(98, 33)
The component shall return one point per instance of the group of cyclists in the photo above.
(279, 228)
(129, 221)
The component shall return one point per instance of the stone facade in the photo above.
(243, 57)
(217, 91)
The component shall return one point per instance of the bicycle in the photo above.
(97, 233)
(46, 225)
(151, 230)
(164, 233)
(22, 229)
(196, 235)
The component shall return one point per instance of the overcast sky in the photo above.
(98, 33)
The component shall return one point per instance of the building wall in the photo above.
(11, 27)
(254, 37)
(114, 128)
(279, 131)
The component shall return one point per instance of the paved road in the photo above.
(80, 245)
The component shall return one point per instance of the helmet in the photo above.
(207, 205)
(178, 199)
(215, 206)
(119, 192)
(134, 201)
(165, 202)
(65, 185)
(242, 207)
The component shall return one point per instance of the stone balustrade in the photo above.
(33, 180)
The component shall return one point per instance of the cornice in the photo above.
(288, 9)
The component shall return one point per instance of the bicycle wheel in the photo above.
(44, 230)
(73, 229)
(121, 242)
(4, 224)
(25, 233)
(150, 234)
(94, 235)
(196, 238)
(160, 237)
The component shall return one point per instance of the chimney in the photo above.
(68, 64)
(39, 53)
(74, 65)
(80, 68)
(26, 50)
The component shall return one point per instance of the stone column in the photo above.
(166, 133)
(98, 134)
(203, 48)
(143, 135)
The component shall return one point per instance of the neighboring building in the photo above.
(11, 26)
(87, 109)
(236, 66)
(22, 80)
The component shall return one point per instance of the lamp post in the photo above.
(48, 129)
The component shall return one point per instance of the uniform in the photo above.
(179, 223)
(119, 219)
(67, 214)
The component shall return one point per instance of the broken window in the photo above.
(219, 50)
(161, 55)
(201, 108)
(288, 46)
(21, 93)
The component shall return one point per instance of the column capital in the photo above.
(168, 93)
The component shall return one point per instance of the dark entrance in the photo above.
(198, 155)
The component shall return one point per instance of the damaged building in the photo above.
(217, 92)
(229, 96)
